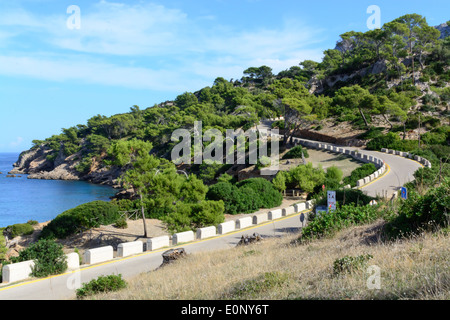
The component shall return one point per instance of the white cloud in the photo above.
(148, 46)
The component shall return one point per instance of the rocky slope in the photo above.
(36, 165)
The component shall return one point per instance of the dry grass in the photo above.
(276, 269)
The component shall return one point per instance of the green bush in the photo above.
(419, 213)
(253, 287)
(344, 216)
(296, 153)
(349, 264)
(246, 196)
(101, 284)
(85, 216)
(121, 223)
(48, 256)
(267, 195)
(359, 173)
(19, 229)
(344, 197)
(392, 141)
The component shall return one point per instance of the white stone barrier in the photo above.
(287, 211)
(17, 271)
(276, 214)
(73, 261)
(309, 204)
(260, 218)
(207, 232)
(226, 227)
(360, 183)
(130, 248)
(182, 237)
(98, 255)
(299, 207)
(158, 243)
(244, 222)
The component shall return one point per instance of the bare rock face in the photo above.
(32, 161)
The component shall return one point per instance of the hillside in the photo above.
(277, 269)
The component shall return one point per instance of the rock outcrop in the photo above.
(37, 164)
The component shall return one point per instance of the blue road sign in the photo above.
(404, 193)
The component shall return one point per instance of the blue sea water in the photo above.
(23, 199)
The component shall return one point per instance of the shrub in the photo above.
(246, 196)
(48, 256)
(348, 264)
(359, 173)
(344, 197)
(296, 153)
(101, 284)
(253, 287)
(419, 213)
(392, 141)
(121, 223)
(305, 177)
(85, 216)
(344, 216)
(19, 229)
(191, 216)
(266, 194)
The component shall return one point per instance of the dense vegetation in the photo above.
(48, 256)
(367, 81)
(83, 217)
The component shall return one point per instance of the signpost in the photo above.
(404, 193)
(331, 195)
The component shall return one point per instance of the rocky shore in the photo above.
(36, 164)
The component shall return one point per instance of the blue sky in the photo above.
(134, 52)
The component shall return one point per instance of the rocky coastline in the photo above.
(36, 164)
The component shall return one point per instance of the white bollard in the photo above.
(130, 248)
(207, 232)
(287, 211)
(98, 255)
(276, 214)
(226, 227)
(260, 218)
(244, 222)
(17, 271)
(73, 261)
(158, 243)
(182, 237)
(299, 207)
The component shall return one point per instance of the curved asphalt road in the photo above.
(60, 287)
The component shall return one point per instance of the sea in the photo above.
(23, 199)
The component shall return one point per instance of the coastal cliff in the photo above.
(37, 163)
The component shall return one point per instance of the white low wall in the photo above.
(287, 211)
(276, 214)
(244, 222)
(130, 248)
(208, 232)
(17, 271)
(73, 261)
(299, 207)
(309, 204)
(260, 218)
(226, 227)
(98, 255)
(182, 237)
(158, 243)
